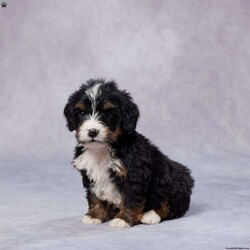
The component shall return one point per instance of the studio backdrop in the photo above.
(186, 63)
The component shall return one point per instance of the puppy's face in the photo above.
(100, 113)
(97, 116)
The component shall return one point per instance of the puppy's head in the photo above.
(99, 113)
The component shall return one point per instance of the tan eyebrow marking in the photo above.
(108, 105)
(81, 106)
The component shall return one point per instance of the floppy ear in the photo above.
(69, 115)
(69, 110)
(129, 112)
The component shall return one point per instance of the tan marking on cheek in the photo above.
(117, 132)
(108, 105)
(80, 106)
(113, 135)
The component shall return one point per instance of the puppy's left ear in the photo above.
(130, 113)
(69, 114)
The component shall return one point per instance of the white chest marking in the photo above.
(97, 163)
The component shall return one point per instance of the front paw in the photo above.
(119, 223)
(150, 217)
(90, 220)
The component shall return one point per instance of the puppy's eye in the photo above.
(108, 113)
(82, 113)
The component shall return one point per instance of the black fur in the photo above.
(151, 176)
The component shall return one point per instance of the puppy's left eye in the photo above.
(108, 113)
(80, 112)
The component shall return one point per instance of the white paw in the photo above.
(119, 223)
(150, 217)
(89, 220)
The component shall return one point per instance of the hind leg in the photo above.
(154, 216)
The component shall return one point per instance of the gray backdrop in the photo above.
(186, 63)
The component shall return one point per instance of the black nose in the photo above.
(93, 133)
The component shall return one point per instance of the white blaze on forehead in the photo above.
(93, 93)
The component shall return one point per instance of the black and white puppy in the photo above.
(128, 179)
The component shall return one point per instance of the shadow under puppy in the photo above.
(128, 180)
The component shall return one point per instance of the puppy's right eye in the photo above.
(82, 113)
(108, 113)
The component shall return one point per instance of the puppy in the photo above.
(127, 179)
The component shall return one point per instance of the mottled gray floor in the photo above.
(42, 203)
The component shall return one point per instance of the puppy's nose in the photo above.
(93, 133)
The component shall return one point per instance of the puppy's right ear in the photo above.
(69, 115)
(69, 110)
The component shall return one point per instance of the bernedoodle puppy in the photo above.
(128, 180)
